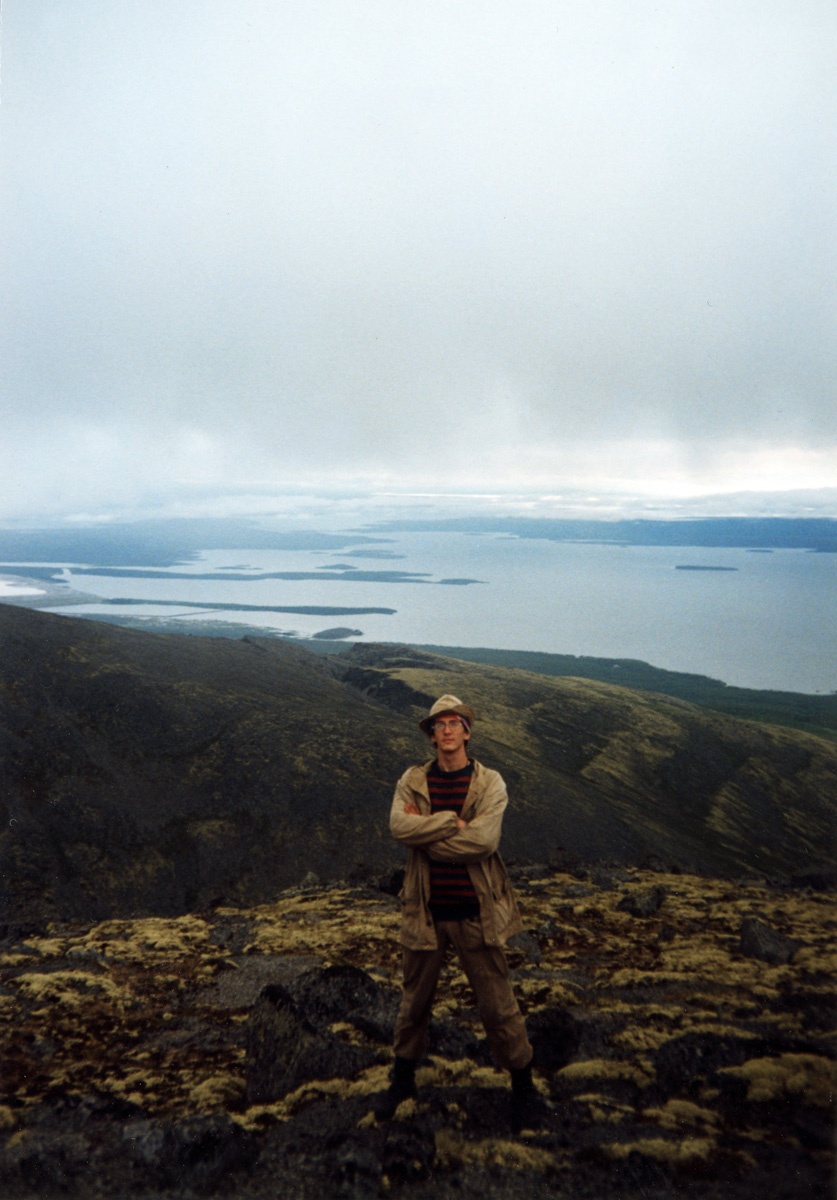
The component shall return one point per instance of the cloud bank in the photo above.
(485, 246)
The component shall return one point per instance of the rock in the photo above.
(231, 933)
(45, 1161)
(653, 862)
(562, 861)
(682, 1060)
(448, 1040)
(577, 891)
(408, 1152)
(310, 881)
(759, 940)
(356, 1170)
(392, 882)
(347, 993)
(555, 1035)
(607, 878)
(534, 871)
(527, 944)
(643, 903)
(196, 1153)
(285, 1050)
(86, 954)
(332, 993)
(548, 930)
(822, 879)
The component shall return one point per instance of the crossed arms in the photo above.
(444, 836)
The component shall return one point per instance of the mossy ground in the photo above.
(150, 1012)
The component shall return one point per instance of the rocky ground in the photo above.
(684, 1031)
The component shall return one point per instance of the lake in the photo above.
(766, 620)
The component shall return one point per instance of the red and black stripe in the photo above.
(452, 895)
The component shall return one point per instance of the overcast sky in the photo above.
(432, 244)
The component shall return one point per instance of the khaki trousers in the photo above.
(488, 974)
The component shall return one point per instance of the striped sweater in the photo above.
(452, 895)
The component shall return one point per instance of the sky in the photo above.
(251, 247)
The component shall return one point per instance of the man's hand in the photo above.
(460, 824)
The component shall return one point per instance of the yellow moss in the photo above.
(815, 959)
(703, 957)
(680, 1113)
(806, 1075)
(719, 1029)
(261, 1116)
(71, 988)
(689, 1150)
(218, 1091)
(548, 991)
(453, 1150)
(8, 1120)
(341, 1027)
(374, 1079)
(641, 1037)
(461, 1073)
(138, 1080)
(603, 1110)
(149, 937)
(602, 1070)
(47, 947)
(638, 977)
(14, 960)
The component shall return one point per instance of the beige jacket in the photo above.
(437, 837)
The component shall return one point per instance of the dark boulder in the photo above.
(392, 882)
(555, 1035)
(45, 1161)
(643, 903)
(197, 1153)
(578, 891)
(408, 1152)
(284, 1049)
(681, 1061)
(527, 944)
(759, 940)
(448, 1040)
(355, 1169)
(818, 879)
(346, 993)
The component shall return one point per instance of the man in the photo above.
(456, 892)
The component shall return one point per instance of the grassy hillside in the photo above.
(149, 773)
(814, 714)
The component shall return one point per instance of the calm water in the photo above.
(769, 623)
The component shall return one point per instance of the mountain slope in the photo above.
(595, 763)
(147, 773)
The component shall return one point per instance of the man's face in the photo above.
(449, 733)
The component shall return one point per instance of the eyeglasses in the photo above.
(442, 725)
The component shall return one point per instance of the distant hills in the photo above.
(751, 533)
(157, 773)
(167, 542)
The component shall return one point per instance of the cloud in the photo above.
(339, 240)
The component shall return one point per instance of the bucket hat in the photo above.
(447, 704)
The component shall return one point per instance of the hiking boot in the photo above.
(528, 1107)
(402, 1087)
